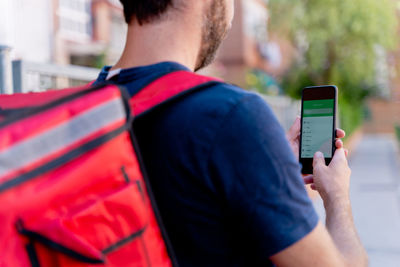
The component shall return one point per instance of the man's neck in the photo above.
(168, 40)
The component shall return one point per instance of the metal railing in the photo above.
(22, 76)
(5, 70)
(35, 77)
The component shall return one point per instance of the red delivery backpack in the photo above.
(73, 189)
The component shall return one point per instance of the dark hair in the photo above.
(144, 11)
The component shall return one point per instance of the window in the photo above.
(75, 19)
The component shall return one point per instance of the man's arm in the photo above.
(315, 249)
(338, 244)
(333, 184)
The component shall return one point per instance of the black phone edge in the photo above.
(309, 169)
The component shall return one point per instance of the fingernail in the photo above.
(319, 154)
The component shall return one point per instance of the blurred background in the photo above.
(275, 48)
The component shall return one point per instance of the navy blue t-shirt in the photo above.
(227, 184)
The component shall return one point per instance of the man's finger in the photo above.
(346, 152)
(339, 144)
(313, 187)
(318, 159)
(340, 133)
(294, 131)
(309, 179)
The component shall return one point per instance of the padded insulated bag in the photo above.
(73, 191)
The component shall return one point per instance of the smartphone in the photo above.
(318, 124)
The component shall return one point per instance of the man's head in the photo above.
(216, 18)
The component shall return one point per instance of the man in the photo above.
(227, 183)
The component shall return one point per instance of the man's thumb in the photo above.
(318, 159)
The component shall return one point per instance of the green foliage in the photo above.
(100, 61)
(397, 129)
(336, 41)
(262, 83)
(351, 116)
(337, 44)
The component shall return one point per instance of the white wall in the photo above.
(26, 26)
(5, 22)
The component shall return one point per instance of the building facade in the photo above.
(92, 33)
(250, 57)
(88, 32)
(80, 32)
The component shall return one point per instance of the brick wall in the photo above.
(384, 115)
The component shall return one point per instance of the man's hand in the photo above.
(333, 184)
(293, 135)
(333, 181)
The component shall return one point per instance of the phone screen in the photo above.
(317, 124)
(317, 127)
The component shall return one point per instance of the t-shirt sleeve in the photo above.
(260, 178)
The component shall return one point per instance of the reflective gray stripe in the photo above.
(61, 136)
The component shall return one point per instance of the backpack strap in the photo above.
(168, 88)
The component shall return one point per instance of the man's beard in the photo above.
(215, 28)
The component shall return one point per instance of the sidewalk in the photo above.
(375, 195)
